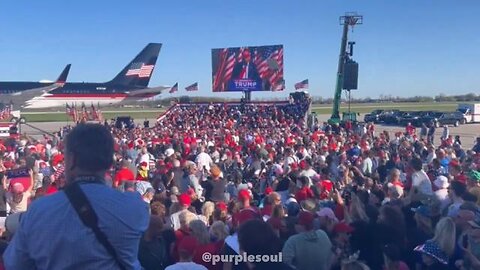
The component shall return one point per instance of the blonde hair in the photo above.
(200, 231)
(445, 233)
(219, 230)
(207, 210)
(186, 217)
(357, 210)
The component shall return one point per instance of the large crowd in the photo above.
(260, 179)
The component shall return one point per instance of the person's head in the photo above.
(246, 55)
(207, 209)
(244, 197)
(423, 218)
(274, 198)
(394, 191)
(432, 253)
(155, 227)
(218, 231)
(445, 234)
(200, 231)
(185, 218)
(456, 190)
(465, 214)
(158, 209)
(88, 151)
(184, 200)
(305, 222)
(303, 180)
(125, 163)
(187, 248)
(357, 209)
(395, 175)
(416, 164)
(257, 237)
(327, 218)
(192, 168)
(278, 211)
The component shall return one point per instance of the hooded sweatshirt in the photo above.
(308, 250)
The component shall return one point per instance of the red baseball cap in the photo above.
(184, 199)
(306, 219)
(244, 195)
(268, 191)
(222, 206)
(188, 244)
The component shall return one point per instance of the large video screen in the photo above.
(248, 69)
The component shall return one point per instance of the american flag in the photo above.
(229, 67)
(94, 113)
(71, 111)
(271, 55)
(302, 85)
(193, 87)
(217, 77)
(84, 112)
(174, 88)
(140, 69)
(99, 113)
(6, 112)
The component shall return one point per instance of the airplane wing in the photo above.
(21, 97)
(141, 93)
(34, 92)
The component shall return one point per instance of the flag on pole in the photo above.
(193, 87)
(173, 89)
(74, 112)
(6, 112)
(94, 113)
(84, 112)
(99, 113)
(302, 85)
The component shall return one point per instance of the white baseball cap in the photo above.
(441, 182)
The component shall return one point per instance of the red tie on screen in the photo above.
(243, 74)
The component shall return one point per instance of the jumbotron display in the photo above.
(248, 69)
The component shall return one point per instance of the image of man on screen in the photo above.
(246, 69)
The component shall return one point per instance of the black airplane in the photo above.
(19, 92)
(131, 84)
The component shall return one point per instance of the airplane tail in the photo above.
(63, 76)
(139, 71)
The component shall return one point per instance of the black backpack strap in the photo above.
(84, 209)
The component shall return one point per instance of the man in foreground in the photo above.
(51, 233)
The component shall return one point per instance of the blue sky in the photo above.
(404, 47)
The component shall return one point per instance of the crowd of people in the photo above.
(228, 179)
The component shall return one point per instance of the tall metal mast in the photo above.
(350, 19)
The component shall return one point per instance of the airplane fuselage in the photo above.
(95, 93)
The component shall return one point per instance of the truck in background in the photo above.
(471, 112)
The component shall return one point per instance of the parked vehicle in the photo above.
(412, 117)
(374, 116)
(392, 118)
(441, 118)
(470, 112)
